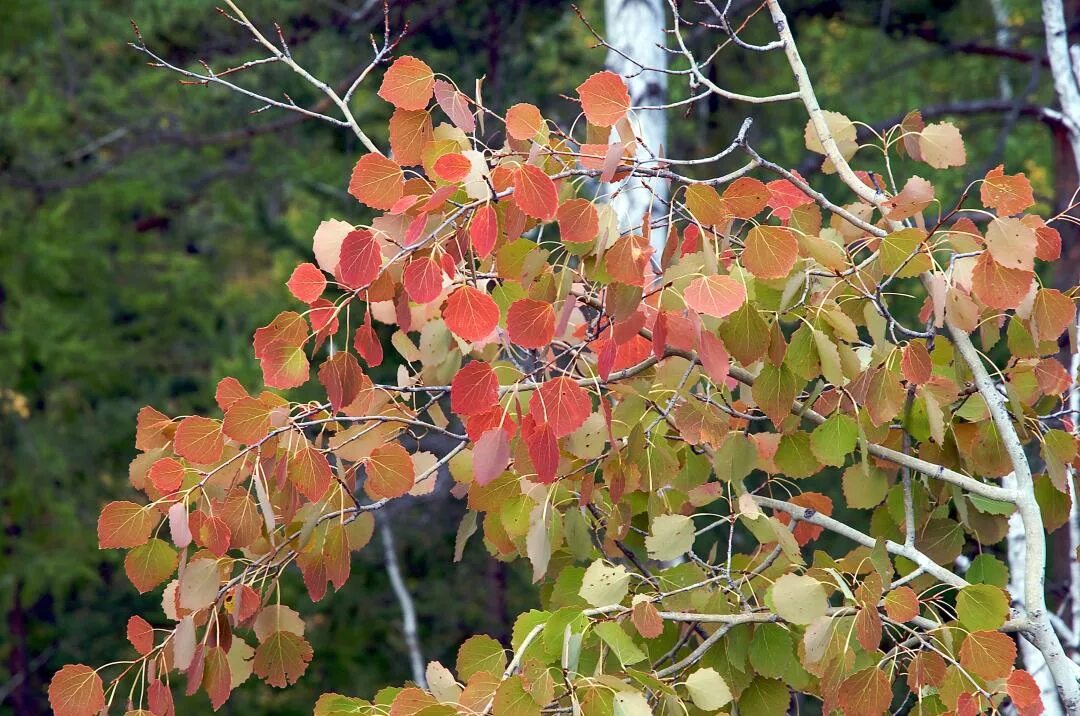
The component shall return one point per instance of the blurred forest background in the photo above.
(147, 228)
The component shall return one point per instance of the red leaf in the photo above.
(785, 196)
(524, 121)
(408, 83)
(199, 440)
(159, 698)
(215, 535)
(361, 259)
(915, 362)
(307, 282)
(490, 455)
(217, 678)
(562, 404)
(714, 358)
(715, 295)
(167, 475)
(1023, 690)
(530, 323)
(474, 389)
(535, 193)
(423, 279)
(453, 167)
(604, 98)
(988, 654)
(342, 378)
(76, 690)
(367, 344)
(390, 472)
(543, 447)
(140, 634)
(578, 221)
(484, 230)
(377, 181)
(309, 471)
(471, 314)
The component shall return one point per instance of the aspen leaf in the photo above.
(199, 440)
(562, 404)
(1024, 691)
(902, 604)
(1011, 243)
(604, 98)
(125, 524)
(140, 634)
(326, 244)
(423, 280)
(150, 564)
(1006, 194)
(620, 643)
(982, 607)
(998, 286)
(916, 195)
(705, 205)
(988, 654)
(179, 524)
(708, 690)
(282, 658)
(342, 378)
(76, 690)
(671, 537)
(603, 585)
(524, 121)
(471, 314)
(277, 617)
(770, 251)
(390, 471)
(246, 421)
(631, 703)
(456, 106)
(745, 197)
(377, 181)
(408, 83)
(474, 389)
(484, 230)
(942, 146)
(799, 599)
(578, 220)
(452, 167)
(530, 323)
(307, 282)
(865, 693)
(199, 584)
(217, 676)
(310, 472)
(360, 259)
(535, 193)
(480, 653)
(410, 130)
(647, 619)
(717, 296)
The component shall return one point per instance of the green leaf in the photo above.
(604, 585)
(794, 456)
(708, 690)
(799, 599)
(982, 607)
(512, 699)
(672, 536)
(835, 439)
(480, 653)
(988, 569)
(772, 651)
(621, 644)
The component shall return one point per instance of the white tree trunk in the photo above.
(635, 28)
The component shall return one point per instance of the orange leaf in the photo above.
(524, 121)
(167, 475)
(229, 390)
(531, 323)
(1023, 690)
(988, 654)
(247, 421)
(604, 98)
(408, 84)
(153, 429)
(915, 362)
(998, 286)
(1006, 193)
(377, 181)
(367, 344)
(902, 604)
(578, 221)
(717, 296)
(471, 314)
(125, 524)
(307, 282)
(535, 193)
(770, 251)
(452, 167)
(562, 404)
(409, 132)
(309, 471)
(745, 197)
(705, 204)
(647, 620)
(1052, 314)
(927, 668)
(199, 440)
(390, 472)
(76, 690)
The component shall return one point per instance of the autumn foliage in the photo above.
(659, 435)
